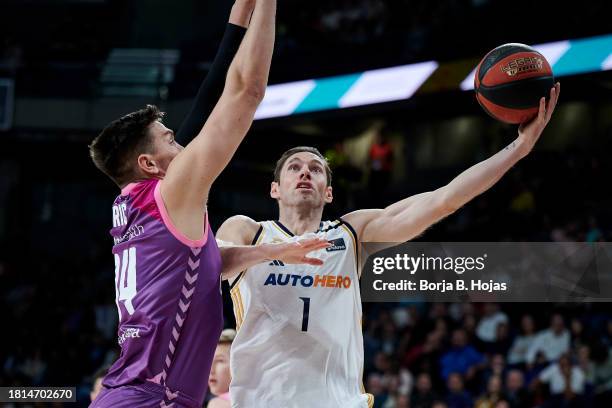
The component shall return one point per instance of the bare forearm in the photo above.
(241, 12)
(236, 259)
(482, 176)
(251, 66)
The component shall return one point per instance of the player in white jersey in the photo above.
(299, 341)
(310, 317)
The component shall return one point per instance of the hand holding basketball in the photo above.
(529, 132)
(510, 80)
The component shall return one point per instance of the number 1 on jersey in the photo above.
(305, 313)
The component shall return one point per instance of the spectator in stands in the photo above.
(552, 343)
(469, 325)
(496, 368)
(376, 387)
(381, 363)
(402, 401)
(391, 384)
(389, 340)
(602, 357)
(462, 358)
(515, 392)
(522, 342)
(583, 355)
(380, 159)
(425, 356)
(566, 382)
(220, 376)
(578, 334)
(487, 326)
(493, 394)
(423, 395)
(405, 380)
(457, 396)
(502, 342)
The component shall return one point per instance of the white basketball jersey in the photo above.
(299, 341)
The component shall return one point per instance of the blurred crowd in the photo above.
(488, 355)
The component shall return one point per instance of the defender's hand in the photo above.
(530, 132)
(295, 252)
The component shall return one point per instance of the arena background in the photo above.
(69, 67)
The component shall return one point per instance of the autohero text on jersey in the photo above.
(323, 281)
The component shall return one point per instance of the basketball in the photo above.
(510, 80)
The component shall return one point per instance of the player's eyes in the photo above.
(293, 167)
(317, 169)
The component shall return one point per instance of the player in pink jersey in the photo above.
(167, 264)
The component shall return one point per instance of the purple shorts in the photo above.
(148, 395)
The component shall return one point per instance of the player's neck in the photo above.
(301, 221)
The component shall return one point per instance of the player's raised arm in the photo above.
(187, 182)
(410, 217)
(241, 12)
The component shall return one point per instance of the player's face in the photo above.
(219, 378)
(164, 149)
(303, 181)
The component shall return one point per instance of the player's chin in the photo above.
(214, 388)
(310, 197)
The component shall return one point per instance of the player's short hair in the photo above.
(227, 336)
(281, 162)
(114, 149)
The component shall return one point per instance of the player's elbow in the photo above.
(254, 91)
(448, 207)
(444, 203)
(249, 88)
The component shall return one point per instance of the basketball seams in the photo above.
(510, 80)
(499, 53)
(518, 94)
(494, 76)
(507, 115)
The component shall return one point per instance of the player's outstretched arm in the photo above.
(187, 182)
(236, 259)
(212, 86)
(410, 217)
(236, 235)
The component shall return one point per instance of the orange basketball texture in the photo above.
(510, 80)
